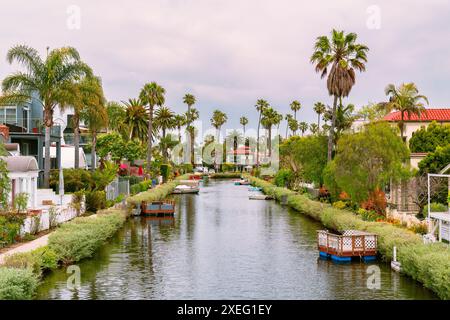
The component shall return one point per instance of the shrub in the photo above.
(165, 171)
(283, 178)
(225, 175)
(37, 260)
(17, 284)
(74, 180)
(376, 202)
(80, 238)
(227, 167)
(145, 185)
(339, 204)
(95, 200)
(369, 215)
(9, 230)
(135, 189)
(434, 207)
(187, 168)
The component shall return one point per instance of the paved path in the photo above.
(29, 246)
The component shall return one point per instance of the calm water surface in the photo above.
(220, 245)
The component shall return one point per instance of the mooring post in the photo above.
(395, 254)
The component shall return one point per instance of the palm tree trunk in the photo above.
(150, 135)
(269, 142)
(257, 141)
(164, 151)
(47, 157)
(93, 151)
(287, 128)
(401, 126)
(331, 133)
(76, 140)
(192, 140)
(318, 122)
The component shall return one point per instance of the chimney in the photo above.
(4, 133)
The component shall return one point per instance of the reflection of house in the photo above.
(23, 173)
(415, 122)
(23, 125)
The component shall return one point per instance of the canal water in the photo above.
(221, 245)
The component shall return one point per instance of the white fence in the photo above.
(116, 188)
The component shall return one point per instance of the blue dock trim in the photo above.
(369, 258)
(341, 259)
(324, 254)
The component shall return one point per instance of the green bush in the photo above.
(95, 200)
(435, 207)
(227, 167)
(9, 230)
(80, 238)
(283, 178)
(369, 215)
(187, 168)
(74, 180)
(17, 284)
(226, 175)
(37, 260)
(145, 185)
(339, 204)
(165, 171)
(135, 189)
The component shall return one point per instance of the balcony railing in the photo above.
(35, 126)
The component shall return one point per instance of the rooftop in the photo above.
(440, 115)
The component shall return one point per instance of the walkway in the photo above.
(29, 246)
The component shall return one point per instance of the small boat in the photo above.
(254, 189)
(158, 208)
(260, 197)
(181, 189)
(241, 182)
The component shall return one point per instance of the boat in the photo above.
(241, 182)
(260, 197)
(254, 189)
(158, 208)
(181, 189)
(343, 247)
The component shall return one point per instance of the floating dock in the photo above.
(351, 243)
(158, 208)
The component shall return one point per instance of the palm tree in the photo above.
(218, 119)
(95, 116)
(243, 121)
(164, 119)
(180, 120)
(406, 99)
(295, 106)
(51, 78)
(234, 138)
(116, 118)
(260, 106)
(190, 100)
(344, 55)
(303, 126)
(288, 118)
(314, 128)
(293, 125)
(270, 118)
(192, 115)
(86, 92)
(151, 94)
(319, 108)
(136, 119)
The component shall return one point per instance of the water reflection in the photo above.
(220, 245)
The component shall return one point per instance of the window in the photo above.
(8, 115)
(25, 118)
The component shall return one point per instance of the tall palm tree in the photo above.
(270, 118)
(303, 126)
(288, 118)
(314, 128)
(151, 94)
(319, 108)
(192, 115)
(344, 55)
(180, 120)
(406, 99)
(164, 119)
(136, 119)
(218, 119)
(190, 100)
(95, 116)
(243, 121)
(260, 106)
(295, 106)
(86, 92)
(51, 78)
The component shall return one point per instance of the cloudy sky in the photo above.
(229, 53)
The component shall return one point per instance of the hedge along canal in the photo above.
(70, 243)
(221, 245)
(427, 263)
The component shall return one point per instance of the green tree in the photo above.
(293, 126)
(51, 78)
(190, 100)
(426, 139)
(435, 161)
(260, 106)
(180, 121)
(136, 120)
(164, 119)
(270, 117)
(116, 118)
(313, 128)
(406, 99)
(243, 121)
(295, 106)
(303, 126)
(218, 119)
(344, 56)
(192, 115)
(320, 109)
(288, 118)
(151, 94)
(369, 159)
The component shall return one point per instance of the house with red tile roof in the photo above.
(415, 122)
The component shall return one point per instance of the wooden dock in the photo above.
(349, 244)
(158, 208)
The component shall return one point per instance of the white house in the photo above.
(23, 172)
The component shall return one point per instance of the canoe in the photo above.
(182, 189)
(242, 183)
